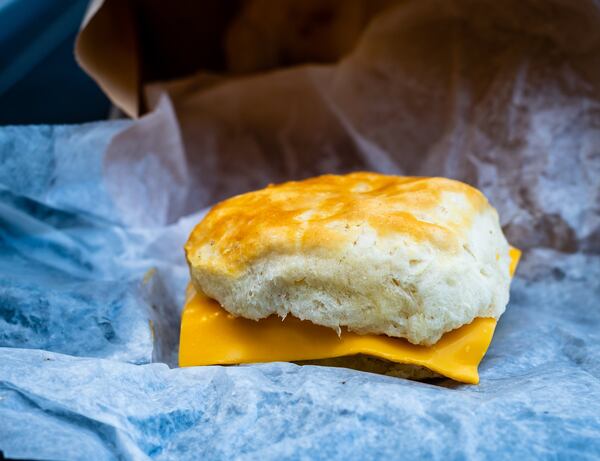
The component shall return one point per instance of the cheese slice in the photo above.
(212, 336)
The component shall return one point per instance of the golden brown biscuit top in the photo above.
(329, 211)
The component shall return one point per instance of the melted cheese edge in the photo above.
(212, 336)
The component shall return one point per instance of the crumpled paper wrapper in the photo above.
(503, 96)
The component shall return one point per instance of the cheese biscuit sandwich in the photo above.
(405, 276)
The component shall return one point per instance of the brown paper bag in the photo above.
(503, 95)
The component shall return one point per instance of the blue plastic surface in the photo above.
(40, 81)
(83, 287)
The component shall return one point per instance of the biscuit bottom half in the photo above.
(374, 365)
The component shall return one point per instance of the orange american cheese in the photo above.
(212, 336)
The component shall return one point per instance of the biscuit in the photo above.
(407, 257)
(370, 364)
